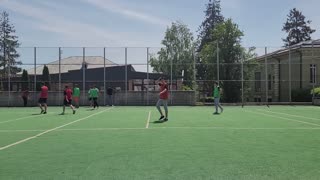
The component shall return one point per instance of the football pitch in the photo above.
(254, 142)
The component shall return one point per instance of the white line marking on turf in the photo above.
(213, 128)
(22, 130)
(284, 118)
(50, 130)
(16, 119)
(27, 117)
(310, 118)
(148, 121)
(2, 122)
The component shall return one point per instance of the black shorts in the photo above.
(67, 103)
(42, 101)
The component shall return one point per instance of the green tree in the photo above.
(46, 75)
(250, 66)
(297, 27)
(25, 79)
(179, 48)
(231, 53)
(8, 47)
(213, 17)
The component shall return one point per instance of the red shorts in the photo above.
(76, 99)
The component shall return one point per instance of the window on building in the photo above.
(257, 76)
(313, 73)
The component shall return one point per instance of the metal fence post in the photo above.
(194, 76)
(104, 76)
(314, 78)
(290, 100)
(84, 74)
(242, 77)
(266, 74)
(126, 75)
(35, 74)
(171, 78)
(148, 76)
(218, 64)
(6, 56)
(60, 52)
(7, 60)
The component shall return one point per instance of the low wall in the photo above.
(132, 98)
(316, 101)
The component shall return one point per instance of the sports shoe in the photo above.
(215, 113)
(161, 118)
(165, 119)
(45, 112)
(74, 111)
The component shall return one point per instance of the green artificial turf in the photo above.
(280, 142)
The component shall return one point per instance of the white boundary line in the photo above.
(148, 121)
(2, 122)
(284, 118)
(310, 118)
(27, 117)
(50, 130)
(22, 130)
(157, 128)
(18, 119)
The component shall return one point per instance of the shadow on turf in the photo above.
(35, 114)
(158, 122)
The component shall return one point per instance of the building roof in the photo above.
(305, 44)
(73, 63)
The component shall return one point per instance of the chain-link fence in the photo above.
(268, 75)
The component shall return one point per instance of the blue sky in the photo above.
(138, 23)
(143, 22)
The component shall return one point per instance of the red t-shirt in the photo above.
(164, 95)
(68, 94)
(44, 92)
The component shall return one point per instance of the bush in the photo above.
(186, 88)
(316, 91)
(301, 95)
(207, 100)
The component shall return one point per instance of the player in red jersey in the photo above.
(163, 99)
(43, 99)
(67, 100)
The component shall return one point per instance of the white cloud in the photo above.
(111, 6)
(49, 21)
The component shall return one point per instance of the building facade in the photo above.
(287, 74)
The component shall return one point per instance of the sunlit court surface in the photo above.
(254, 142)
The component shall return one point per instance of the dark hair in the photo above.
(66, 86)
(216, 83)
